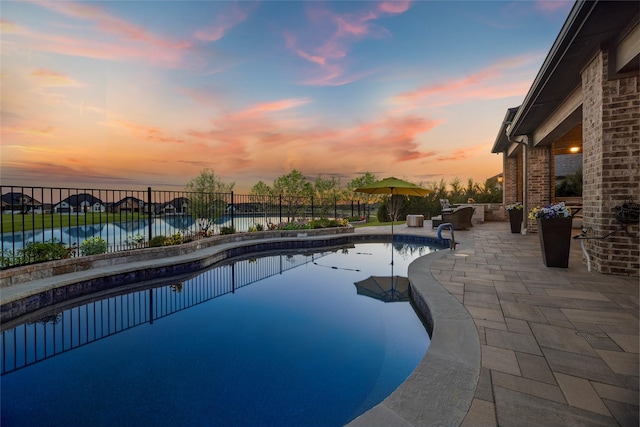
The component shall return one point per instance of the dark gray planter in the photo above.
(515, 218)
(555, 241)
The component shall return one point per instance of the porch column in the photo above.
(611, 161)
(510, 180)
(538, 172)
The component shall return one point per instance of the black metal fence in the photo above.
(55, 333)
(130, 219)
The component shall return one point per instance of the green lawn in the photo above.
(19, 223)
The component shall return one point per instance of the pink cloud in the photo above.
(42, 131)
(224, 23)
(488, 82)
(464, 153)
(50, 78)
(395, 7)
(9, 27)
(116, 39)
(284, 104)
(337, 33)
(145, 133)
(552, 6)
(111, 24)
(105, 50)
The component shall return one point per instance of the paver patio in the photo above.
(559, 346)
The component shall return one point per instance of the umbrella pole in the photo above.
(393, 215)
(392, 242)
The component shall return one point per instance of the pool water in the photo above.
(283, 340)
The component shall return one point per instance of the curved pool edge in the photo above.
(440, 390)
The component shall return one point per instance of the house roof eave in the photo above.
(589, 26)
(502, 142)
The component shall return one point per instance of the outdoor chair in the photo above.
(460, 218)
(446, 206)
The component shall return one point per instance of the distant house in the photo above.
(129, 204)
(83, 202)
(177, 206)
(245, 208)
(20, 202)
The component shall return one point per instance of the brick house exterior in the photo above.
(585, 99)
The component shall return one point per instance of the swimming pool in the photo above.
(298, 346)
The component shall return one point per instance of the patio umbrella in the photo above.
(385, 288)
(393, 186)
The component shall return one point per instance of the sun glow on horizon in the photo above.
(150, 93)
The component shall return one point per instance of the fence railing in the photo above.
(130, 219)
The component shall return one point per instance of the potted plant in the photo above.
(516, 215)
(554, 230)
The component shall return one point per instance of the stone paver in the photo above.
(573, 333)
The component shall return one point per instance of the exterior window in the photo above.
(568, 175)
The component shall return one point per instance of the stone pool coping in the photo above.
(438, 392)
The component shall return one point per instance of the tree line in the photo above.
(325, 191)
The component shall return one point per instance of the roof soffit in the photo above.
(590, 26)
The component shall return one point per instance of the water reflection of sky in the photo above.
(298, 348)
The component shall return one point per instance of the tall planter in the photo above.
(555, 241)
(515, 218)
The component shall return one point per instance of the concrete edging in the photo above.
(440, 390)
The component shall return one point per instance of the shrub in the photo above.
(43, 251)
(227, 230)
(7, 259)
(157, 241)
(256, 227)
(176, 239)
(93, 246)
(327, 223)
(383, 215)
(298, 225)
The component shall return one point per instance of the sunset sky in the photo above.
(130, 94)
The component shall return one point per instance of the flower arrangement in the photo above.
(136, 241)
(93, 246)
(517, 206)
(558, 210)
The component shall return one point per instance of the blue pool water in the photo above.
(283, 340)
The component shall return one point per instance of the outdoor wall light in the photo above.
(574, 149)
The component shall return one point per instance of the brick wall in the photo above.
(510, 180)
(539, 180)
(611, 161)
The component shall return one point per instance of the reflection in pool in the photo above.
(297, 347)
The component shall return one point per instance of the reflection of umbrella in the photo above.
(393, 186)
(384, 288)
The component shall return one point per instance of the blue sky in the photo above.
(123, 94)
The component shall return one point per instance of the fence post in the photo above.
(232, 213)
(149, 211)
